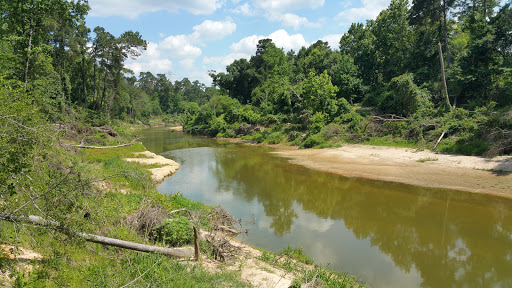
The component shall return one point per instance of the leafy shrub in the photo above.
(275, 138)
(293, 135)
(257, 137)
(330, 131)
(177, 232)
(317, 122)
(248, 114)
(313, 141)
(403, 97)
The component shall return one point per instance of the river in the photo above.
(387, 234)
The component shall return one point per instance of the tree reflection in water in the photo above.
(451, 238)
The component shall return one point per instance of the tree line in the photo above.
(47, 48)
(384, 79)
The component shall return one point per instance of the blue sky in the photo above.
(187, 38)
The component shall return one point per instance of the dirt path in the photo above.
(410, 166)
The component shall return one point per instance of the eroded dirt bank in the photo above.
(410, 166)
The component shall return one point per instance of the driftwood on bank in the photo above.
(172, 252)
(438, 140)
(81, 146)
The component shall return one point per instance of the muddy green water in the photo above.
(387, 234)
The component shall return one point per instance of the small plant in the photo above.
(297, 254)
(422, 160)
(177, 232)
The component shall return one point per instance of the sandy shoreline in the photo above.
(167, 169)
(410, 166)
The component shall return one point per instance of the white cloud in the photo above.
(333, 40)
(133, 8)
(280, 11)
(280, 37)
(183, 49)
(295, 21)
(224, 61)
(247, 45)
(188, 64)
(244, 9)
(180, 46)
(212, 30)
(288, 42)
(370, 10)
(281, 6)
(150, 60)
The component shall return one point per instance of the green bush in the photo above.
(275, 138)
(257, 137)
(312, 141)
(177, 232)
(318, 121)
(330, 131)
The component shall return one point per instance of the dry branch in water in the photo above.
(172, 252)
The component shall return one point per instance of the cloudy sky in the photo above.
(187, 38)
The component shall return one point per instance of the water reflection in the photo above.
(391, 235)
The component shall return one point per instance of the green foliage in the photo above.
(274, 138)
(318, 121)
(403, 97)
(312, 141)
(175, 232)
(179, 201)
(319, 94)
(258, 137)
(22, 130)
(297, 254)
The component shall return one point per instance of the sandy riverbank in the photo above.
(167, 169)
(410, 166)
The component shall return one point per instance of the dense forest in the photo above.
(383, 84)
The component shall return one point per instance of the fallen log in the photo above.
(171, 252)
(81, 146)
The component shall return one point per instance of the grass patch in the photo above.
(427, 159)
(390, 141)
(294, 260)
(101, 155)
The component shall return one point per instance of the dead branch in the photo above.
(438, 140)
(81, 146)
(171, 252)
(389, 118)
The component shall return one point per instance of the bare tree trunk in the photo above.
(445, 88)
(172, 252)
